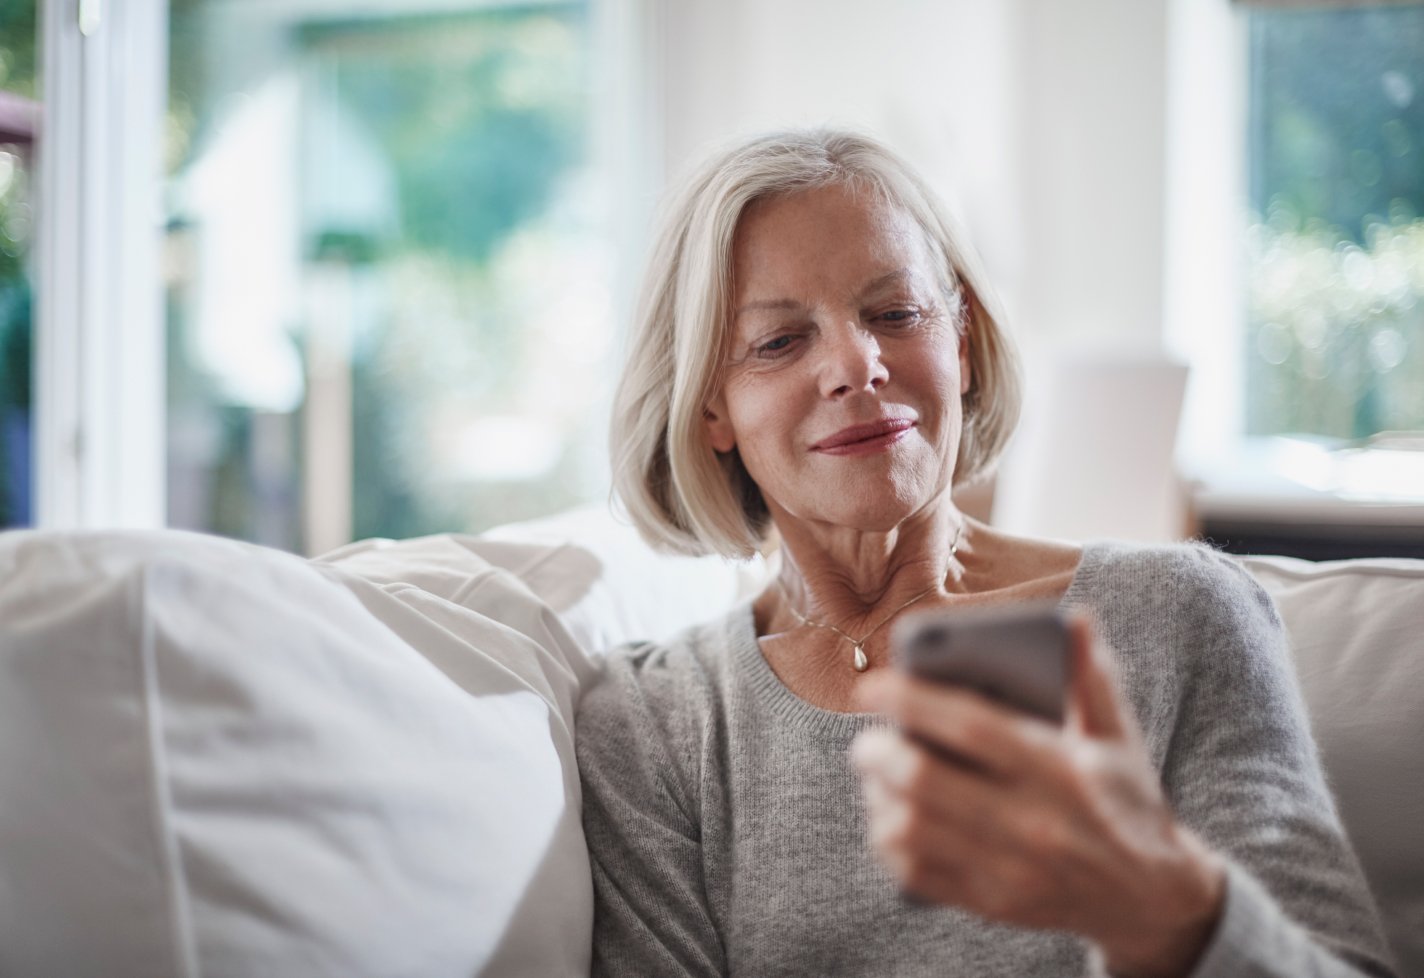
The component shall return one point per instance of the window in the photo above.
(389, 300)
(1335, 333)
(18, 113)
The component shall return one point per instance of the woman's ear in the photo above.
(969, 310)
(719, 429)
(966, 366)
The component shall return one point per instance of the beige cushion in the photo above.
(1357, 630)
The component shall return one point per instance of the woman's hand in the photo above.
(1031, 824)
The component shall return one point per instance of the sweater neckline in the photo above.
(752, 666)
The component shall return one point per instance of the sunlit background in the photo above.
(389, 271)
(399, 240)
(1336, 238)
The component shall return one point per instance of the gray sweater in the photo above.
(727, 836)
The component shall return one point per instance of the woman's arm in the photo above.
(1244, 772)
(1231, 863)
(650, 906)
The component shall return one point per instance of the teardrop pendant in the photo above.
(860, 662)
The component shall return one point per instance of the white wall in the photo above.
(1094, 73)
(937, 80)
(1040, 120)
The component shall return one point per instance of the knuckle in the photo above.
(1077, 769)
(974, 726)
(919, 773)
(1045, 834)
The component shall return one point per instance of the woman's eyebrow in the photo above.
(899, 274)
(758, 305)
(761, 304)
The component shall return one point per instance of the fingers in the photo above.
(918, 823)
(964, 724)
(953, 836)
(888, 763)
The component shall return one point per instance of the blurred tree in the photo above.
(1337, 120)
(476, 121)
(18, 43)
(18, 66)
(480, 117)
(1335, 344)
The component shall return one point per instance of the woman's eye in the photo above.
(899, 317)
(775, 346)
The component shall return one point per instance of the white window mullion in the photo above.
(100, 369)
(1205, 212)
(58, 234)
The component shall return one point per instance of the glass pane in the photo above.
(389, 312)
(18, 117)
(1336, 338)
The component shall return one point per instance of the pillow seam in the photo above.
(180, 915)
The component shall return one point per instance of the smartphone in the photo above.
(1017, 656)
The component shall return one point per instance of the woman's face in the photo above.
(844, 374)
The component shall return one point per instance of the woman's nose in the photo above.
(852, 362)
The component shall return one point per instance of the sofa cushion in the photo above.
(1357, 632)
(220, 759)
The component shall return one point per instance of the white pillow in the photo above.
(220, 759)
(609, 586)
(1357, 631)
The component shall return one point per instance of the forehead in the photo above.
(833, 236)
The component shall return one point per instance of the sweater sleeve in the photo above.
(1242, 771)
(651, 914)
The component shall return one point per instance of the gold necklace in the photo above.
(859, 660)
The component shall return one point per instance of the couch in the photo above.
(222, 760)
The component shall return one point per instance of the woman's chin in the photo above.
(877, 516)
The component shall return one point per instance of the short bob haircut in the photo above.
(685, 497)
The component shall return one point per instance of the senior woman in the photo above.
(817, 364)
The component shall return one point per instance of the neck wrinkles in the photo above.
(853, 579)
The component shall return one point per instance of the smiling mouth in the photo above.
(864, 437)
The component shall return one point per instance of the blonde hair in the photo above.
(684, 496)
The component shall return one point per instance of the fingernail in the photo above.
(864, 749)
(858, 751)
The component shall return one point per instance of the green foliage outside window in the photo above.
(1336, 301)
(18, 43)
(18, 76)
(479, 121)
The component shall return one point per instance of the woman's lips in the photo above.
(862, 439)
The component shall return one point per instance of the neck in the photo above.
(853, 579)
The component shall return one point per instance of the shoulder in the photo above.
(657, 698)
(657, 676)
(1186, 603)
(1189, 577)
(1196, 604)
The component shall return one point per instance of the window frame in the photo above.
(99, 393)
(1206, 197)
